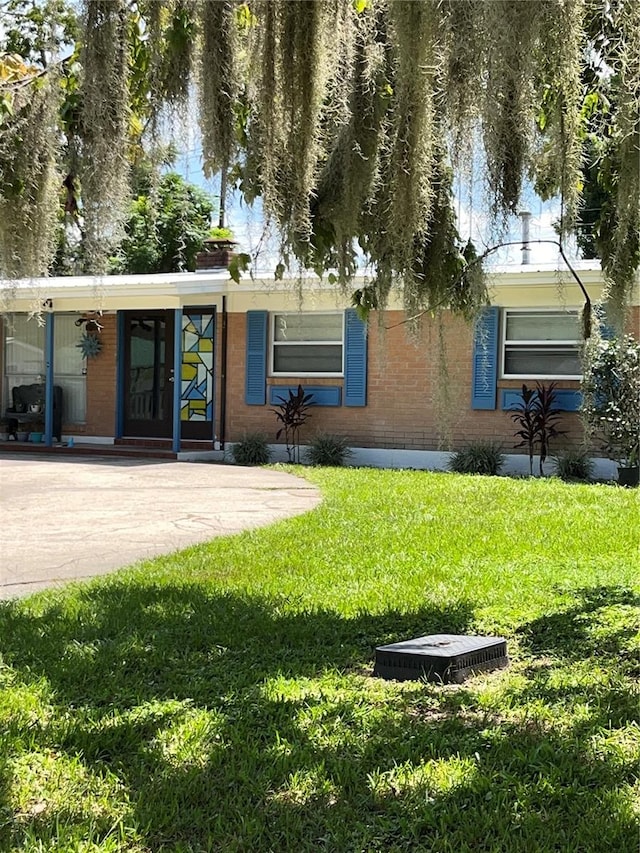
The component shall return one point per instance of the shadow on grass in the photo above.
(240, 723)
(141, 643)
(593, 625)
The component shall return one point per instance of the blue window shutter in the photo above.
(255, 389)
(355, 359)
(485, 360)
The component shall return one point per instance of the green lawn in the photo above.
(221, 699)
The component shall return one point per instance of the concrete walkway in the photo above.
(65, 519)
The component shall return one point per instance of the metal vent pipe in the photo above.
(525, 216)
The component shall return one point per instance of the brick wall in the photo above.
(408, 403)
(101, 386)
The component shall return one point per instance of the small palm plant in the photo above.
(292, 412)
(537, 417)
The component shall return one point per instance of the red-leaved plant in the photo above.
(292, 412)
(537, 416)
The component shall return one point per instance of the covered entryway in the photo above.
(148, 374)
(166, 378)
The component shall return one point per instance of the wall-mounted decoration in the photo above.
(91, 324)
(197, 367)
(90, 345)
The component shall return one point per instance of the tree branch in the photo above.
(16, 85)
(481, 258)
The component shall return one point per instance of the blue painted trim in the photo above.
(355, 359)
(214, 388)
(323, 395)
(566, 401)
(120, 377)
(255, 388)
(177, 377)
(485, 360)
(49, 379)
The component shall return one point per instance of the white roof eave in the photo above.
(216, 283)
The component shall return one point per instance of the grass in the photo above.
(221, 699)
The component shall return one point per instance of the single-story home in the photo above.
(192, 361)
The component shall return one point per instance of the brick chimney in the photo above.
(216, 255)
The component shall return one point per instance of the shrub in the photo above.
(252, 449)
(480, 457)
(574, 465)
(218, 233)
(327, 449)
(611, 398)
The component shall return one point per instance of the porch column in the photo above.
(177, 377)
(120, 373)
(48, 379)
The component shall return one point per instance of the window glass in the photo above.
(24, 362)
(540, 344)
(309, 359)
(146, 394)
(542, 326)
(307, 344)
(531, 362)
(69, 367)
(24, 348)
(308, 327)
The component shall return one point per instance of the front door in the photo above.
(148, 374)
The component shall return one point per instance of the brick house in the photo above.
(234, 348)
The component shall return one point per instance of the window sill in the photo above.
(528, 377)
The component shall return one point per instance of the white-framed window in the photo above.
(24, 360)
(309, 344)
(541, 344)
(69, 368)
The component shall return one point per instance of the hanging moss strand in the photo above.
(218, 83)
(348, 119)
(29, 182)
(104, 129)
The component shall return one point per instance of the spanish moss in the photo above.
(508, 107)
(104, 164)
(621, 263)
(219, 84)
(348, 119)
(29, 182)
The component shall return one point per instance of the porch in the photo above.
(145, 385)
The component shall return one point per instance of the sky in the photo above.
(247, 222)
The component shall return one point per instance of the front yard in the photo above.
(221, 699)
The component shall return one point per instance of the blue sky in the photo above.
(248, 225)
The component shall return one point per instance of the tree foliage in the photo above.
(166, 227)
(607, 221)
(347, 118)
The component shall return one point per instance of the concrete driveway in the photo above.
(64, 519)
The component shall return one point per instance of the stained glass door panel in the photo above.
(197, 375)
